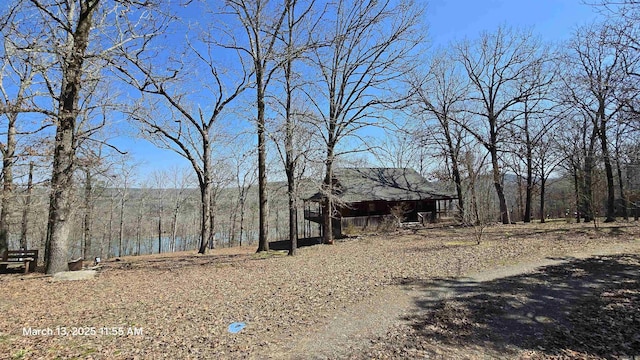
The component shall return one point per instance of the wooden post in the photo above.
(319, 224)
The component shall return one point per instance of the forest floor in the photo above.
(527, 291)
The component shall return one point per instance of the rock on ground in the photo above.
(74, 275)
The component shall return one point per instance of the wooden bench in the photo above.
(26, 258)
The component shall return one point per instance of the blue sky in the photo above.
(448, 20)
(552, 20)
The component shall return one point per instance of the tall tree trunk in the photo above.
(577, 188)
(212, 221)
(492, 146)
(473, 205)
(88, 215)
(205, 226)
(543, 183)
(290, 162)
(293, 214)
(139, 226)
(121, 224)
(588, 206)
(455, 168)
(233, 217)
(24, 243)
(587, 190)
(529, 160)
(263, 230)
(623, 195)
(497, 182)
(57, 248)
(151, 242)
(327, 205)
(138, 235)
(205, 183)
(8, 158)
(529, 189)
(110, 229)
(242, 216)
(611, 197)
(174, 226)
(528, 198)
(60, 208)
(520, 198)
(458, 181)
(263, 27)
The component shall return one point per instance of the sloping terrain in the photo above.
(582, 308)
(180, 305)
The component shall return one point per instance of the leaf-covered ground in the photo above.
(179, 306)
(580, 309)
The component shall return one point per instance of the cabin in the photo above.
(366, 197)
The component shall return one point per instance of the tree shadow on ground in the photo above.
(169, 261)
(175, 262)
(302, 242)
(584, 308)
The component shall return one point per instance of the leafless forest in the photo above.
(261, 96)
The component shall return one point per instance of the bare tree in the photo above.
(75, 21)
(399, 148)
(497, 65)
(261, 23)
(179, 182)
(624, 19)
(624, 137)
(123, 179)
(77, 37)
(480, 210)
(547, 160)
(184, 125)
(158, 179)
(535, 121)
(223, 177)
(368, 49)
(293, 146)
(24, 228)
(95, 163)
(20, 65)
(172, 187)
(144, 194)
(577, 143)
(441, 94)
(244, 175)
(596, 70)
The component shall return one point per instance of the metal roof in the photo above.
(354, 185)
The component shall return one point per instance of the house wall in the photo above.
(408, 209)
(373, 214)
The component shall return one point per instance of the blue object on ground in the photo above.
(236, 327)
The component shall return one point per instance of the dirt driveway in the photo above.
(583, 307)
